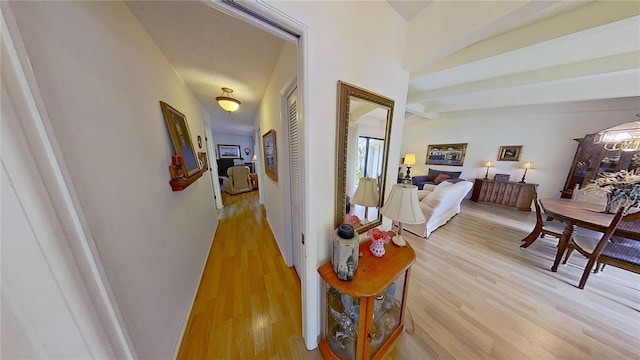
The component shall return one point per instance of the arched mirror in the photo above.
(364, 125)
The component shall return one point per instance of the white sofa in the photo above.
(439, 205)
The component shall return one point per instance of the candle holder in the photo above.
(176, 168)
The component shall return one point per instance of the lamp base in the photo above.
(408, 176)
(398, 240)
(523, 175)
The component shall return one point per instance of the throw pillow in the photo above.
(441, 186)
(435, 194)
(432, 200)
(440, 178)
(432, 174)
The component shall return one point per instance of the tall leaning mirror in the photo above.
(364, 125)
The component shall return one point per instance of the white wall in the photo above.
(101, 78)
(268, 117)
(342, 43)
(46, 311)
(546, 132)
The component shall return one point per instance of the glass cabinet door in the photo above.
(343, 317)
(386, 314)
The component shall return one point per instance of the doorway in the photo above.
(264, 17)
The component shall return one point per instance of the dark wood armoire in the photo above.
(593, 159)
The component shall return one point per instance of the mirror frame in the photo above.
(345, 93)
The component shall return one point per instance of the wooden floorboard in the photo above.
(473, 294)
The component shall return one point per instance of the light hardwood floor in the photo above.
(473, 294)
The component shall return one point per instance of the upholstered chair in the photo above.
(238, 180)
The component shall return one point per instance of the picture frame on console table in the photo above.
(446, 154)
(510, 153)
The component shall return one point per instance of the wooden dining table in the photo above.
(580, 213)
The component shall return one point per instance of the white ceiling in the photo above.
(210, 50)
(540, 53)
(535, 53)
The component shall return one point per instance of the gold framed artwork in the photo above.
(180, 137)
(270, 154)
(509, 153)
(229, 151)
(446, 154)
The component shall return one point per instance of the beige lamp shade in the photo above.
(226, 102)
(367, 193)
(403, 205)
(488, 164)
(255, 158)
(409, 159)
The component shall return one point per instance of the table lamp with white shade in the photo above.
(366, 195)
(526, 166)
(488, 164)
(409, 159)
(254, 160)
(403, 206)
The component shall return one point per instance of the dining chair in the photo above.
(592, 244)
(622, 253)
(547, 227)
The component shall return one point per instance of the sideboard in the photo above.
(505, 193)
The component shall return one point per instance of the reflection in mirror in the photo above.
(364, 123)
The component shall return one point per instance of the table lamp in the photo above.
(488, 164)
(366, 195)
(526, 166)
(403, 206)
(409, 159)
(254, 160)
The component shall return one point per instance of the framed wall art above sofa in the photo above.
(446, 154)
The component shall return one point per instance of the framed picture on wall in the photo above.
(446, 154)
(509, 153)
(270, 154)
(229, 151)
(180, 137)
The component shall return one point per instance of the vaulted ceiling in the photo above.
(521, 53)
(461, 55)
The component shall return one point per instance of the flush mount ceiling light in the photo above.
(226, 101)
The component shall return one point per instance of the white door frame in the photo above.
(309, 279)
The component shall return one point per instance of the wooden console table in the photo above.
(505, 193)
(363, 318)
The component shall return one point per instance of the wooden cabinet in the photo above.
(592, 159)
(364, 317)
(506, 193)
(254, 180)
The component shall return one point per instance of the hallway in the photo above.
(248, 303)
